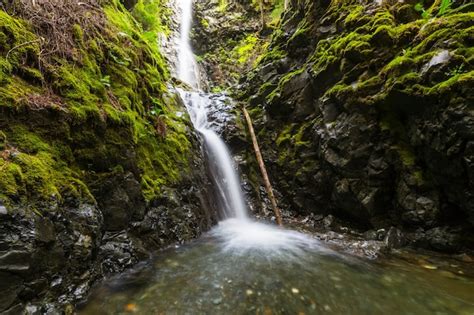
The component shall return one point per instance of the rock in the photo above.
(370, 235)
(295, 291)
(45, 232)
(440, 58)
(328, 221)
(394, 239)
(14, 310)
(117, 252)
(331, 235)
(116, 210)
(3, 209)
(443, 238)
(129, 4)
(15, 261)
(10, 286)
(381, 233)
(121, 200)
(373, 150)
(217, 301)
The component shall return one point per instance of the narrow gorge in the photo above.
(129, 182)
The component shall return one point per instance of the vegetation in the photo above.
(84, 102)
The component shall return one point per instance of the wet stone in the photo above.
(217, 301)
(15, 261)
(45, 230)
(3, 209)
(394, 238)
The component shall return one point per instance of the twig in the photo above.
(263, 170)
(21, 45)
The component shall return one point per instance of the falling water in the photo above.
(223, 174)
(188, 70)
(236, 231)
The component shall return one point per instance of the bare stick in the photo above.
(263, 170)
(21, 45)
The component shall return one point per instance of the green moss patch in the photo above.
(68, 117)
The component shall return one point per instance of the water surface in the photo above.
(251, 268)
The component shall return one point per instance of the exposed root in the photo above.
(37, 101)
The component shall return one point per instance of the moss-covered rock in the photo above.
(375, 108)
(92, 141)
(113, 90)
(228, 37)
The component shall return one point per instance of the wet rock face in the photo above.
(121, 200)
(370, 119)
(49, 262)
(48, 256)
(80, 190)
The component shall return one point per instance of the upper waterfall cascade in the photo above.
(188, 70)
(223, 174)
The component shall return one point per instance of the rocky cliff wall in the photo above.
(364, 111)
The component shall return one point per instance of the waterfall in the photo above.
(188, 70)
(222, 171)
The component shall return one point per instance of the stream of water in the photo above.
(245, 267)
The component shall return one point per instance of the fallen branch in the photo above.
(263, 170)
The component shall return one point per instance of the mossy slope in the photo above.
(102, 108)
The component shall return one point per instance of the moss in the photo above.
(88, 113)
(329, 52)
(353, 18)
(245, 48)
(456, 80)
(273, 53)
(406, 154)
(34, 171)
(291, 140)
(78, 34)
(16, 41)
(276, 93)
(285, 135)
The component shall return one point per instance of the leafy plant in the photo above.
(420, 8)
(105, 81)
(444, 7)
(455, 71)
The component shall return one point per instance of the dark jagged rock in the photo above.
(62, 253)
(363, 111)
(394, 239)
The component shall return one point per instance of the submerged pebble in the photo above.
(131, 307)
